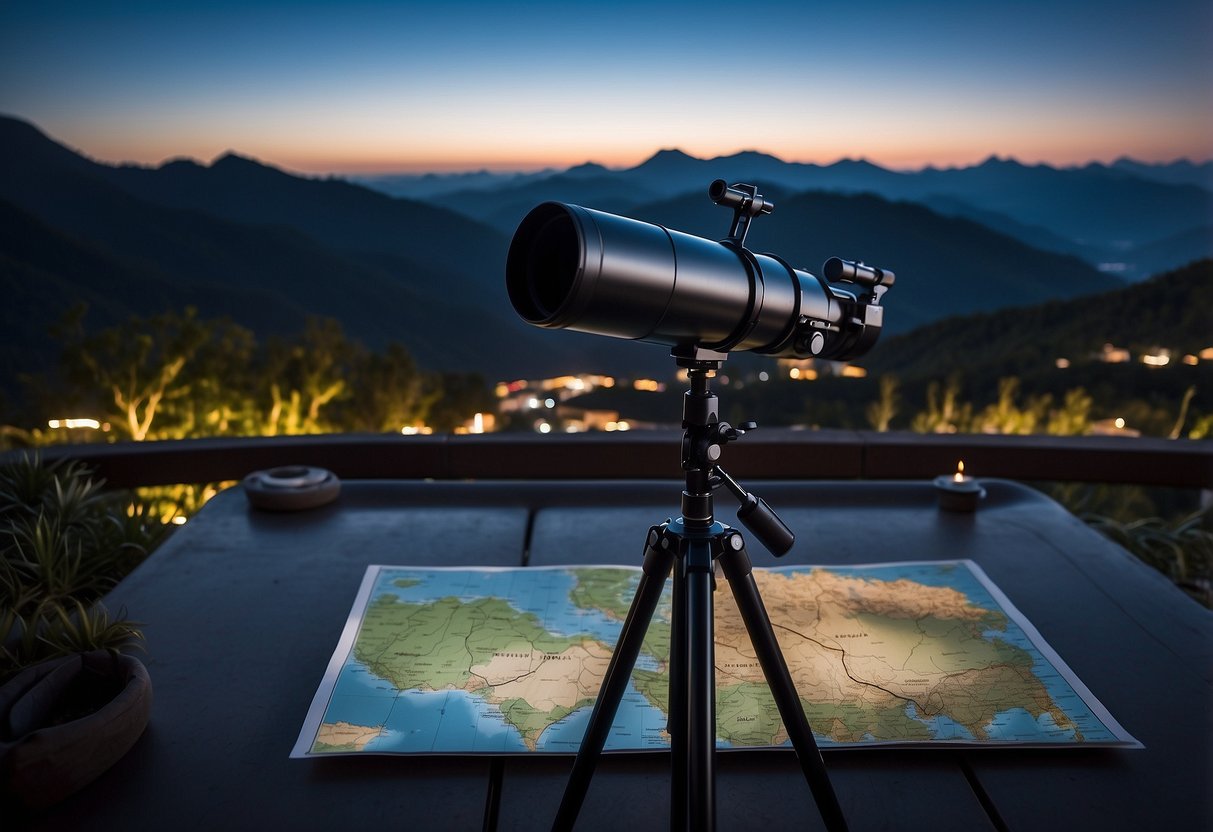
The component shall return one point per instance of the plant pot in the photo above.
(64, 722)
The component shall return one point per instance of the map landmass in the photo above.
(873, 659)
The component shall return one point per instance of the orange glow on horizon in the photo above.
(903, 160)
(338, 154)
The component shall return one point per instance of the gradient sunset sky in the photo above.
(360, 87)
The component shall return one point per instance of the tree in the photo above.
(301, 378)
(1073, 418)
(387, 392)
(882, 411)
(1006, 416)
(1178, 427)
(218, 383)
(945, 413)
(459, 397)
(137, 368)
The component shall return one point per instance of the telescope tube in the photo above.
(576, 268)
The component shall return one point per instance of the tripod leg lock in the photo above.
(735, 561)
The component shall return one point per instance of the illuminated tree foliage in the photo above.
(945, 412)
(135, 372)
(174, 375)
(880, 413)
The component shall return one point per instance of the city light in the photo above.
(1156, 360)
(1113, 355)
(71, 424)
(415, 430)
(1063, 363)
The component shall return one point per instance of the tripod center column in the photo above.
(700, 451)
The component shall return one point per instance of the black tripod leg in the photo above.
(657, 564)
(700, 693)
(737, 570)
(677, 722)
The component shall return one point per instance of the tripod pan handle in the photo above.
(765, 524)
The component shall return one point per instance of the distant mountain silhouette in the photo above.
(1091, 205)
(1098, 212)
(1181, 172)
(344, 217)
(947, 263)
(267, 276)
(426, 185)
(268, 248)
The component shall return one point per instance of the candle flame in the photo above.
(960, 471)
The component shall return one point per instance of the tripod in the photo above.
(689, 547)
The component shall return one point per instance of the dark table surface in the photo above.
(242, 610)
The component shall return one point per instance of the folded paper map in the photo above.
(502, 661)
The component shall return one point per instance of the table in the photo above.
(242, 609)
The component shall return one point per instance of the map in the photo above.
(504, 661)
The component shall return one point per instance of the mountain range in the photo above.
(245, 240)
(1129, 218)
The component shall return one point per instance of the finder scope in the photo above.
(576, 268)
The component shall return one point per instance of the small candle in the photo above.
(958, 492)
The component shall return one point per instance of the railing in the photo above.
(764, 454)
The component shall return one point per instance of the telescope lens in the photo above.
(541, 275)
(552, 264)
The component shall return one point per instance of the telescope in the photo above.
(576, 268)
(585, 270)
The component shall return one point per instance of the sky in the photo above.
(357, 88)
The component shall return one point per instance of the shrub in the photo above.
(64, 543)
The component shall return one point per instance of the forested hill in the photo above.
(1172, 311)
